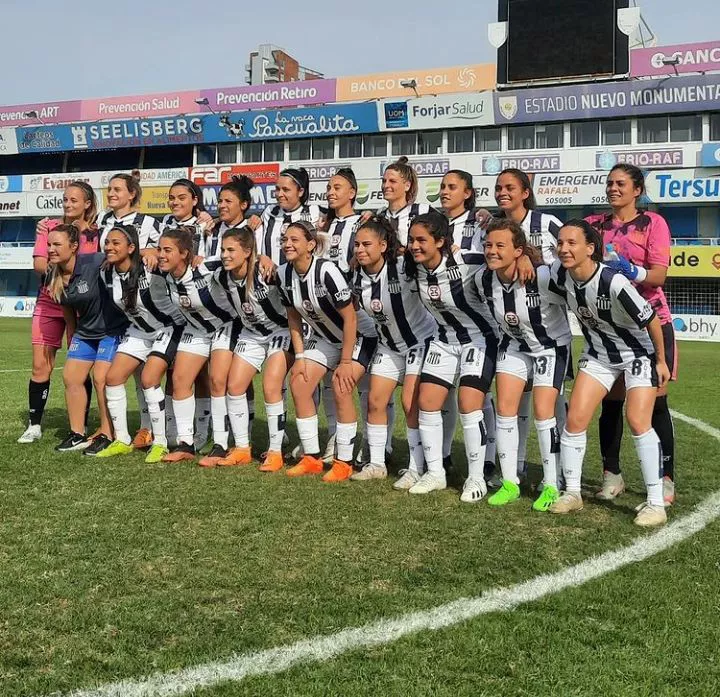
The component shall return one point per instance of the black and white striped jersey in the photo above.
(260, 310)
(154, 310)
(468, 237)
(530, 317)
(451, 295)
(393, 303)
(541, 230)
(148, 227)
(201, 299)
(402, 220)
(317, 296)
(274, 223)
(612, 314)
(341, 241)
(170, 222)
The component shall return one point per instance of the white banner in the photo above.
(16, 306)
(16, 257)
(445, 111)
(697, 327)
(59, 182)
(12, 206)
(41, 204)
(8, 141)
(570, 189)
(683, 186)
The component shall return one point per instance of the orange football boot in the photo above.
(308, 465)
(339, 472)
(273, 462)
(143, 439)
(236, 456)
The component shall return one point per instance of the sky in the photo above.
(60, 50)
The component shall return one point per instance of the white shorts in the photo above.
(394, 365)
(547, 368)
(323, 352)
(255, 350)
(164, 344)
(639, 372)
(473, 364)
(200, 343)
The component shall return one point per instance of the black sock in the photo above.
(37, 399)
(88, 391)
(663, 425)
(611, 433)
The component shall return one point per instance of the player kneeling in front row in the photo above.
(534, 346)
(623, 336)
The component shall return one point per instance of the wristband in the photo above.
(641, 274)
(299, 355)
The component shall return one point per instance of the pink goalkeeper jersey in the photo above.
(45, 305)
(643, 247)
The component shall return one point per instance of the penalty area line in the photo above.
(322, 648)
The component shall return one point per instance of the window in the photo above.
(461, 140)
(351, 146)
(168, 156)
(205, 154)
(687, 127)
(227, 153)
(430, 142)
(323, 148)
(274, 150)
(375, 145)
(584, 134)
(299, 149)
(404, 144)
(521, 137)
(714, 126)
(252, 152)
(488, 139)
(616, 132)
(549, 135)
(653, 129)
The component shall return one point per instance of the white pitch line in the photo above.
(323, 648)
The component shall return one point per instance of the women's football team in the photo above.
(327, 302)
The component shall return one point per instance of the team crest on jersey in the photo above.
(469, 230)
(536, 239)
(508, 107)
(603, 302)
(454, 273)
(376, 305)
(320, 291)
(307, 306)
(82, 287)
(247, 308)
(335, 240)
(585, 313)
(434, 293)
(511, 319)
(394, 288)
(532, 298)
(185, 301)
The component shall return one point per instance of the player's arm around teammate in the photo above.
(315, 290)
(623, 336)
(263, 344)
(534, 349)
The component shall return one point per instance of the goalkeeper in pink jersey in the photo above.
(637, 244)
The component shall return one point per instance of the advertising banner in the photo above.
(154, 201)
(55, 112)
(16, 257)
(609, 100)
(174, 130)
(16, 306)
(452, 111)
(212, 175)
(11, 183)
(692, 58)
(145, 106)
(336, 119)
(645, 159)
(148, 177)
(262, 195)
(697, 327)
(45, 139)
(12, 205)
(270, 96)
(537, 162)
(459, 78)
(710, 155)
(694, 262)
(8, 141)
(570, 189)
(41, 204)
(684, 186)
(58, 182)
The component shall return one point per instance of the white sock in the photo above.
(390, 425)
(116, 397)
(449, 421)
(170, 422)
(572, 454)
(649, 451)
(202, 421)
(561, 408)
(345, 441)
(475, 441)
(145, 421)
(377, 438)
(276, 417)
(328, 399)
(523, 428)
(185, 418)
(251, 411)
(490, 428)
(219, 410)
(549, 442)
(431, 423)
(308, 432)
(155, 398)
(238, 413)
(508, 436)
(417, 458)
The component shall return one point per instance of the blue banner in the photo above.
(710, 155)
(11, 184)
(44, 139)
